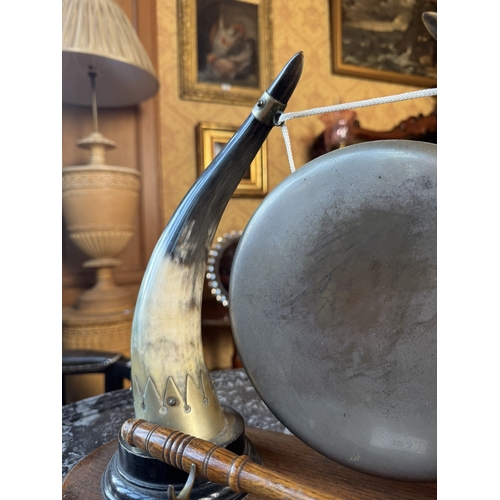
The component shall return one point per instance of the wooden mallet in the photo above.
(215, 463)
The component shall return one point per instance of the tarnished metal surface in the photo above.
(333, 306)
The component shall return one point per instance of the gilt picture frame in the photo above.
(384, 41)
(225, 50)
(211, 139)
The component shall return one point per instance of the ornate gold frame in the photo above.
(340, 67)
(228, 93)
(211, 136)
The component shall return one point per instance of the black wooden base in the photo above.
(132, 474)
(150, 481)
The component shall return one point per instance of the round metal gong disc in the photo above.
(333, 306)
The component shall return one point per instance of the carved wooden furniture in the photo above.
(215, 310)
(342, 128)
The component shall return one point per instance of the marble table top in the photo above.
(92, 422)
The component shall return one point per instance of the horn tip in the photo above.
(285, 83)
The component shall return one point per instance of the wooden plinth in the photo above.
(280, 452)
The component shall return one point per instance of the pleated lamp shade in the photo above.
(97, 33)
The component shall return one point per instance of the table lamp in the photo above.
(105, 65)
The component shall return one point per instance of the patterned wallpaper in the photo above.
(296, 26)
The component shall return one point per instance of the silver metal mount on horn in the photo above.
(266, 109)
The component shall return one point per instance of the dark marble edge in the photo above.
(74, 412)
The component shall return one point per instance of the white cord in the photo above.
(288, 146)
(283, 118)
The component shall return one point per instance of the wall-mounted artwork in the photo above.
(384, 41)
(211, 139)
(226, 50)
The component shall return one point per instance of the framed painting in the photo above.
(384, 41)
(225, 50)
(211, 139)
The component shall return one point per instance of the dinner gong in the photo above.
(333, 306)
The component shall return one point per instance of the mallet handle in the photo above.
(215, 463)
